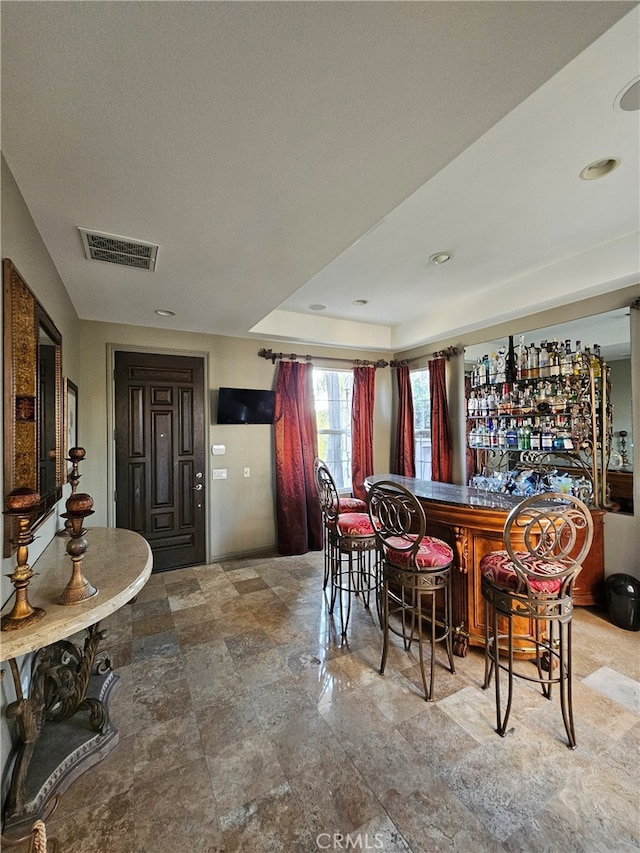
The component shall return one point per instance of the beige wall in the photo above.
(241, 511)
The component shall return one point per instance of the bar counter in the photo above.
(471, 521)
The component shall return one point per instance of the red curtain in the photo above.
(298, 513)
(441, 454)
(364, 380)
(405, 457)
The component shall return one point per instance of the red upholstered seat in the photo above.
(498, 569)
(354, 524)
(432, 554)
(351, 505)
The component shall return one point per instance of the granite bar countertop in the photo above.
(449, 493)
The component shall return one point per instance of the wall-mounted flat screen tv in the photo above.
(245, 406)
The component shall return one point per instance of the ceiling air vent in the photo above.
(119, 250)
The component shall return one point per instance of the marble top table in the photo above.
(117, 562)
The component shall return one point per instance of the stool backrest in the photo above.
(398, 519)
(327, 490)
(556, 530)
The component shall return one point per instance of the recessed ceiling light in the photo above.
(360, 301)
(628, 99)
(599, 168)
(317, 307)
(440, 258)
(164, 312)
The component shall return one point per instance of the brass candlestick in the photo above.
(21, 503)
(76, 455)
(78, 589)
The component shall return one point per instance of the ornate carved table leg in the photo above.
(63, 725)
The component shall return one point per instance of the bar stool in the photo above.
(536, 583)
(350, 546)
(415, 567)
(345, 504)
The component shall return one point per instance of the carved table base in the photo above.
(63, 724)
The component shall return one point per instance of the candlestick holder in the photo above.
(78, 589)
(624, 458)
(21, 503)
(76, 455)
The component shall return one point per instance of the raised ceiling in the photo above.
(288, 154)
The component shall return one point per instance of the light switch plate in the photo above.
(218, 449)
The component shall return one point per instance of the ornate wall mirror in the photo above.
(33, 441)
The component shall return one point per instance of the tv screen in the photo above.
(245, 406)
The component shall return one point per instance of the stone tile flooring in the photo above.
(247, 725)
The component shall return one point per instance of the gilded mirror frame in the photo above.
(25, 440)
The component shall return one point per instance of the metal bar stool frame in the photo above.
(536, 583)
(400, 524)
(350, 565)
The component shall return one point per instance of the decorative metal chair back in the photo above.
(327, 490)
(557, 531)
(398, 520)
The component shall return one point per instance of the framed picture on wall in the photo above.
(70, 416)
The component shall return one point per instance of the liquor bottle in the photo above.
(483, 409)
(595, 361)
(511, 365)
(492, 402)
(472, 405)
(543, 360)
(521, 364)
(486, 437)
(547, 436)
(481, 373)
(566, 364)
(521, 439)
(502, 435)
(554, 359)
(536, 440)
(511, 436)
(532, 362)
(505, 403)
(527, 435)
(565, 434)
(493, 433)
(493, 368)
(577, 359)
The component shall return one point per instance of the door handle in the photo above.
(198, 487)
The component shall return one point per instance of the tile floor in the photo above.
(247, 725)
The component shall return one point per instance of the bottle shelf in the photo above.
(547, 416)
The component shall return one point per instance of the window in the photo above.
(333, 391)
(422, 422)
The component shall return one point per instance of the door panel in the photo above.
(160, 454)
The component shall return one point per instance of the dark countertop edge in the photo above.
(451, 493)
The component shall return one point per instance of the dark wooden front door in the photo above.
(160, 473)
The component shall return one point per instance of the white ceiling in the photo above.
(284, 154)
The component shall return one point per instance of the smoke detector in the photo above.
(124, 251)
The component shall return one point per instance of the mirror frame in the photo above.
(23, 317)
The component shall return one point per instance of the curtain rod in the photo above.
(442, 353)
(279, 356)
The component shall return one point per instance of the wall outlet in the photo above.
(219, 473)
(247, 472)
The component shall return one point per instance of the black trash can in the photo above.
(623, 601)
